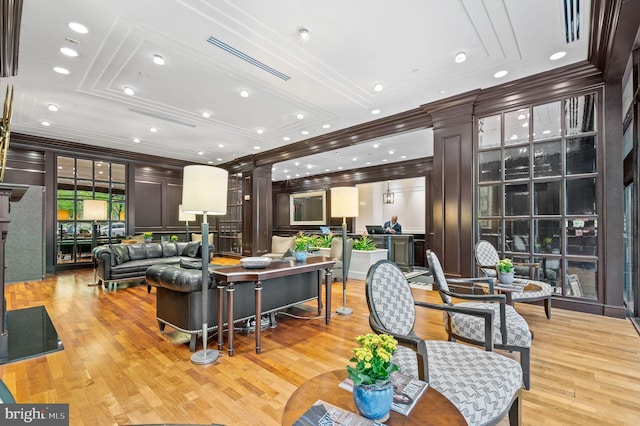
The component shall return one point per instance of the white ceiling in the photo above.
(409, 47)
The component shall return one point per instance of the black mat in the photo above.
(31, 333)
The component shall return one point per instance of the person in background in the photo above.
(392, 226)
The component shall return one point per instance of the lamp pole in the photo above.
(344, 310)
(344, 203)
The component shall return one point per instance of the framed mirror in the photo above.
(308, 208)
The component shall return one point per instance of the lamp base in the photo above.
(344, 311)
(205, 357)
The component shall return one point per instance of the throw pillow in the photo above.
(180, 246)
(120, 254)
(191, 249)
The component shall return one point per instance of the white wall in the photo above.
(409, 205)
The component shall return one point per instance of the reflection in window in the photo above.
(516, 127)
(546, 235)
(516, 200)
(489, 198)
(546, 199)
(490, 166)
(490, 230)
(581, 279)
(580, 114)
(581, 196)
(546, 121)
(489, 132)
(581, 155)
(516, 163)
(517, 236)
(547, 159)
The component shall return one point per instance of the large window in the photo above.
(537, 190)
(79, 182)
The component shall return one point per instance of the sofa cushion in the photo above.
(154, 250)
(137, 251)
(191, 250)
(120, 254)
(180, 246)
(169, 249)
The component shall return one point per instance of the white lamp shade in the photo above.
(204, 190)
(185, 217)
(344, 201)
(94, 209)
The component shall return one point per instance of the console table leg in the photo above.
(230, 291)
(328, 282)
(220, 317)
(258, 314)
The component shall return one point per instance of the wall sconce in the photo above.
(387, 197)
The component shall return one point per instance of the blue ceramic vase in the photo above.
(301, 256)
(374, 401)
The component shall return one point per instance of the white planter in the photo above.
(360, 261)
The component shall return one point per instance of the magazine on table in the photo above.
(406, 391)
(324, 414)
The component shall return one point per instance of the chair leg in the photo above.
(547, 307)
(515, 411)
(525, 363)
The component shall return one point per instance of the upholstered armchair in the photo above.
(483, 385)
(342, 262)
(486, 258)
(280, 246)
(510, 330)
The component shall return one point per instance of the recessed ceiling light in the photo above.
(525, 124)
(128, 91)
(501, 74)
(79, 28)
(244, 93)
(521, 117)
(45, 123)
(158, 60)
(220, 145)
(288, 176)
(326, 126)
(460, 57)
(305, 132)
(557, 55)
(546, 132)
(210, 162)
(385, 160)
(256, 147)
(368, 162)
(304, 34)
(442, 92)
(297, 163)
(52, 107)
(205, 114)
(61, 70)
(378, 87)
(354, 159)
(340, 168)
(136, 140)
(286, 171)
(68, 51)
(218, 159)
(403, 157)
(376, 145)
(297, 174)
(309, 166)
(200, 153)
(299, 116)
(260, 131)
(326, 170)
(391, 152)
(375, 111)
(153, 130)
(286, 138)
(514, 137)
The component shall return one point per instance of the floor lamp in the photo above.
(204, 191)
(185, 217)
(94, 210)
(344, 204)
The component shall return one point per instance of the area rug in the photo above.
(30, 333)
(176, 337)
(420, 279)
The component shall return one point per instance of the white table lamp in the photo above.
(204, 191)
(94, 210)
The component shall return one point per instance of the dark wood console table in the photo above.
(228, 277)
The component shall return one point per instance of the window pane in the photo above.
(490, 230)
(101, 171)
(581, 155)
(581, 279)
(118, 173)
(547, 159)
(627, 140)
(489, 166)
(516, 200)
(516, 234)
(581, 196)
(66, 167)
(84, 169)
(546, 236)
(516, 127)
(546, 121)
(489, 132)
(516, 163)
(579, 114)
(489, 199)
(582, 237)
(550, 272)
(546, 198)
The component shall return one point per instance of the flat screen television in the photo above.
(374, 229)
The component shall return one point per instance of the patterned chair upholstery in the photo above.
(484, 386)
(486, 258)
(510, 330)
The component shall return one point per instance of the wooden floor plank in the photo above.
(117, 368)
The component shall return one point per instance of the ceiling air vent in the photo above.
(571, 10)
(10, 18)
(235, 52)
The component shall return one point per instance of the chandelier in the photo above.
(387, 197)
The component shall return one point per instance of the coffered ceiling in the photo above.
(213, 50)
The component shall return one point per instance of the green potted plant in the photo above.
(301, 246)
(505, 271)
(147, 236)
(173, 239)
(364, 243)
(372, 386)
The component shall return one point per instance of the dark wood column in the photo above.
(257, 211)
(452, 183)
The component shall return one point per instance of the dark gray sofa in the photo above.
(179, 297)
(127, 262)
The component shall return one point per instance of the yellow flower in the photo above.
(373, 359)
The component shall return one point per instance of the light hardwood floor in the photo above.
(117, 368)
